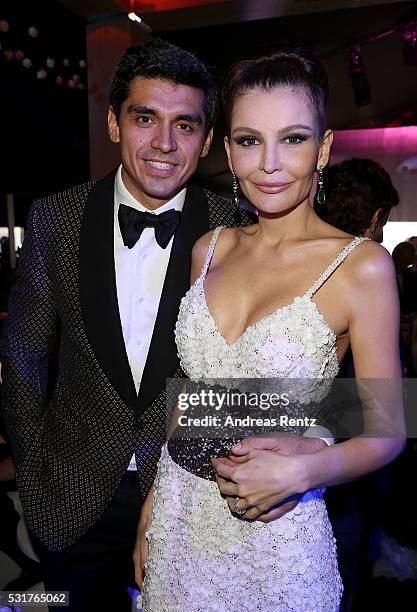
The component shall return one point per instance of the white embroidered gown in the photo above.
(202, 558)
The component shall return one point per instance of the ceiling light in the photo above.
(409, 38)
(360, 83)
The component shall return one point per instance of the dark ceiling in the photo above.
(164, 15)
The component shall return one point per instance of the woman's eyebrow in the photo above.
(295, 126)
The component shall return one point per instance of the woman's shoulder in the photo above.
(371, 263)
(367, 258)
(227, 237)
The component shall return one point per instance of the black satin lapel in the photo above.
(162, 357)
(98, 293)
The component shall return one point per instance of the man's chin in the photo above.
(163, 196)
(163, 191)
(158, 197)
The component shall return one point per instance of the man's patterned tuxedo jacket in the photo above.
(73, 437)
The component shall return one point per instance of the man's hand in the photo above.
(258, 490)
(7, 470)
(7, 467)
(140, 553)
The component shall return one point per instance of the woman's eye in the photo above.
(247, 141)
(295, 139)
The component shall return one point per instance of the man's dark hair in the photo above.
(158, 59)
(355, 189)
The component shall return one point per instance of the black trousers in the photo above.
(351, 530)
(98, 569)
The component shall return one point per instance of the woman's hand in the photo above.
(140, 553)
(268, 484)
(283, 444)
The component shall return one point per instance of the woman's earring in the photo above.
(321, 194)
(235, 199)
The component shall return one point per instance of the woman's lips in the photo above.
(272, 187)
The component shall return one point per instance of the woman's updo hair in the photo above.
(281, 67)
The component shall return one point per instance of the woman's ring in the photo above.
(237, 510)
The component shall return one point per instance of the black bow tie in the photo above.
(132, 222)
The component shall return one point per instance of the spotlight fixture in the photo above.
(409, 38)
(360, 83)
(133, 16)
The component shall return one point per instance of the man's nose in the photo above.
(164, 139)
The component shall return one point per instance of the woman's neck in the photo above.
(295, 224)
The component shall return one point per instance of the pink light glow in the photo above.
(398, 141)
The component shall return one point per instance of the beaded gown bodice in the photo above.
(294, 341)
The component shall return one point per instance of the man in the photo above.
(110, 293)
(102, 271)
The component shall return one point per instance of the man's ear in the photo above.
(207, 144)
(113, 127)
(324, 151)
(375, 219)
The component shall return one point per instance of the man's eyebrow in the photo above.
(137, 109)
(193, 118)
(287, 128)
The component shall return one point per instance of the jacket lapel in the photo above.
(98, 293)
(162, 358)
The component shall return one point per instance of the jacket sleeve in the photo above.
(27, 339)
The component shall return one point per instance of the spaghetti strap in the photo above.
(210, 251)
(334, 265)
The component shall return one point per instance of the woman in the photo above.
(270, 300)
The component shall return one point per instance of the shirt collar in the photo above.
(123, 196)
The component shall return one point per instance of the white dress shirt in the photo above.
(140, 276)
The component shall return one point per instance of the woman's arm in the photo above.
(267, 478)
(374, 336)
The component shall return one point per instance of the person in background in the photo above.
(359, 197)
(29, 570)
(404, 256)
(413, 240)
